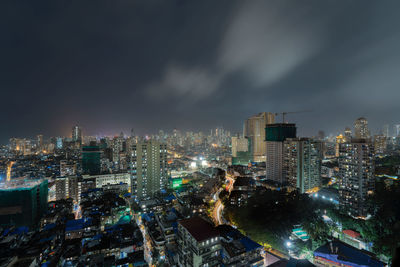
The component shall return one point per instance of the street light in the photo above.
(288, 244)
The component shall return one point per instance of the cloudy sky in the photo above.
(110, 66)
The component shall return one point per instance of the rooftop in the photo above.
(342, 253)
(199, 228)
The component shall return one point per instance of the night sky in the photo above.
(110, 66)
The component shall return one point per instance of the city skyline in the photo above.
(152, 65)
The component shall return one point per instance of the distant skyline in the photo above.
(196, 65)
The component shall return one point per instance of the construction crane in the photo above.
(291, 112)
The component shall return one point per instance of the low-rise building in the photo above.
(337, 253)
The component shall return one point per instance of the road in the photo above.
(219, 207)
(9, 168)
(219, 219)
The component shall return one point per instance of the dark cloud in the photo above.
(112, 66)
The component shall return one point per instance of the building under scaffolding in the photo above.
(22, 202)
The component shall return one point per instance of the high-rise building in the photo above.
(91, 160)
(59, 142)
(276, 134)
(241, 151)
(198, 243)
(21, 146)
(396, 129)
(239, 144)
(339, 140)
(68, 187)
(380, 144)
(302, 159)
(23, 202)
(40, 142)
(148, 168)
(347, 134)
(361, 130)
(356, 173)
(77, 134)
(117, 147)
(386, 132)
(254, 129)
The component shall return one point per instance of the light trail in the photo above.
(9, 168)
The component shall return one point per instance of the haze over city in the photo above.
(151, 65)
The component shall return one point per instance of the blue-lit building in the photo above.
(337, 253)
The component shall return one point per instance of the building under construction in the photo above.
(22, 202)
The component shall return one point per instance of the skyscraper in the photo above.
(347, 134)
(386, 130)
(356, 171)
(148, 168)
(361, 130)
(302, 159)
(77, 134)
(396, 131)
(339, 140)
(380, 144)
(276, 134)
(40, 142)
(254, 128)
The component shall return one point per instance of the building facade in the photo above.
(276, 134)
(356, 171)
(23, 203)
(77, 134)
(198, 243)
(302, 163)
(361, 130)
(91, 160)
(241, 151)
(149, 168)
(254, 129)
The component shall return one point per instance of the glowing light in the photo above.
(193, 164)
(289, 244)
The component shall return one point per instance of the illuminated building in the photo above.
(347, 134)
(109, 179)
(254, 129)
(361, 130)
(380, 144)
(23, 202)
(149, 168)
(40, 142)
(117, 147)
(276, 134)
(356, 173)
(302, 159)
(396, 129)
(73, 186)
(77, 134)
(21, 146)
(339, 140)
(68, 187)
(241, 151)
(67, 169)
(198, 243)
(386, 130)
(59, 142)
